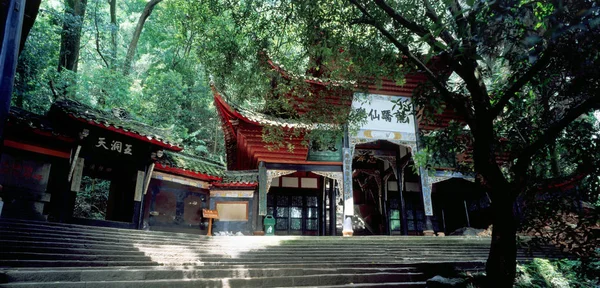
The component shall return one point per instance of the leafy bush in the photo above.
(558, 273)
(91, 201)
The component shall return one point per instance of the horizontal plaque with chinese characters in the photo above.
(387, 117)
(114, 145)
(329, 151)
(106, 149)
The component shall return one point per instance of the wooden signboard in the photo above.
(329, 152)
(210, 214)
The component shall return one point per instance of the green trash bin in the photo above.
(269, 223)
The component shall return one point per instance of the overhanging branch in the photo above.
(520, 80)
(410, 25)
(430, 13)
(448, 96)
(552, 132)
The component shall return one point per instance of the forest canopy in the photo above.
(521, 76)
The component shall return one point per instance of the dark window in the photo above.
(294, 214)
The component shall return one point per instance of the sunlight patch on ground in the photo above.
(231, 247)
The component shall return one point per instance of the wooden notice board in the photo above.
(210, 214)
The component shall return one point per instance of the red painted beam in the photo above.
(37, 149)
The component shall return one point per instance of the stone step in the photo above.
(462, 265)
(14, 244)
(57, 241)
(285, 281)
(183, 259)
(75, 257)
(54, 275)
(63, 226)
(16, 252)
(71, 263)
(173, 236)
(74, 251)
(253, 239)
(6, 253)
(467, 243)
(102, 233)
(227, 262)
(377, 285)
(69, 255)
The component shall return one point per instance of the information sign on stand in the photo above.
(210, 214)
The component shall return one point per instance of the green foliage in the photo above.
(37, 63)
(167, 87)
(91, 201)
(558, 273)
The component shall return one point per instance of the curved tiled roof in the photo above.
(24, 119)
(117, 120)
(257, 118)
(241, 176)
(192, 164)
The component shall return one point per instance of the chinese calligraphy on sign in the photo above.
(116, 146)
(385, 113)
(325, 151)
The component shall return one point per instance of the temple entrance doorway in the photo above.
(295, 212)
(459, 203)
(295, 202)
(381, 192)
(105, 192)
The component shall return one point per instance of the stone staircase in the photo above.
(42, 254)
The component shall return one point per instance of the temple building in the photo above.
(77, 164)
(86, 166)
(363, 184)
(81, 165)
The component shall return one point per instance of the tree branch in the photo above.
(448, 96)
(136, 35)
(410, 25)
(461, 22)
(552, 132)
(98, 36)
(430, 13)
(521, 81)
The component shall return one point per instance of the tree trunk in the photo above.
(32, 8)
(554, 160)
(136, 35)
(501, 265)
(71, 34)
(113, 33)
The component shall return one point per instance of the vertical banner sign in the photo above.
(77, 175)
(139, 185)
(262, 189)
(426, 187)
(348, 195)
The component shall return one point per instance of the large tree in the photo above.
(517, 73)
(165, 85)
